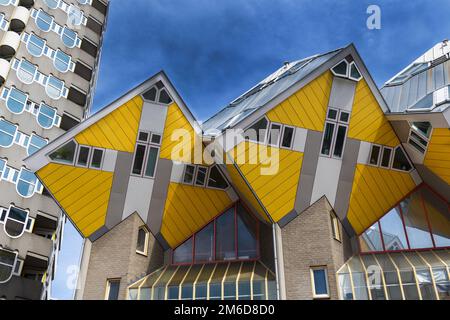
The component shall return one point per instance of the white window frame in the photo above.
(280, 133)
(64, 162)
(9, 218)
(379, 155)
(247, 139)
(407, 159)
(13, 137)
(9, 97)
(108, 285)
(313, 285)
(223, 177)
(391, 157)
(78, 155)
(147, 145)
(347, 71)
(147, 236)
(336, 123)
(350, 72)
(92, 156)
(196, 175)
(415, 140)
(282, 137)
(13, 266)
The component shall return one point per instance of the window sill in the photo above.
(142, 253)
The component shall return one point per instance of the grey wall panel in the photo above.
(342, 93)
(308, 171)
(159, 195)
(119, 188)
(402, 129)
(434, 181)
(346, 178)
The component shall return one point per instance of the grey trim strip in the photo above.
(98, 234)
(308, 171)
(159, 195)
(346, 177)
(287, 219)
(119, 188)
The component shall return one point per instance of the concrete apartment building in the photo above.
(49, 54)
(355, 205)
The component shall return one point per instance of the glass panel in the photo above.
(143, 136)
(26, 183)
(359, 279)
(274, 134)
(172, 293)
(204, 244)
(345, 286)
(83, 156)
(189, 174)
(7, 133)
(247, 234)
(26, 72)
(139, 159)
(424, 103)
(156, 138)
(97, 158)
(386, 159)
(426, 284)
(201, 176)
(374, 155)
(320, 282)
(288, 136)
(328, 137)
(46, 116)
(376, 285)
(114, 286)
(52, 4)
(44, 21)
(401, 161)
(423, 127)
(145, 294)
(393, 232)
(407, 276)
(216, 180)
(36, 143)
(370, 240)
(340, 140)
(75, 15)
(244, 290)
(62, 61)
(225, 236)
(201, 291)
(164, 97)
(229, 291)
(186, 292)
(442, 281)
(259, 290)
(272, 290)
(35, 45)
(438, 212)
(16, 101)
(257, 132)
(215, 291)
(150, 94)
(18, 214)
(159, 293)
(64, 154)
(390, 277)
(69, 37)
(151, 162)
(354, 73)
(332, 114)
(142, 236)
(54, 87)
(183, 254)
(416, 223)
(341, 69)
(133, 294)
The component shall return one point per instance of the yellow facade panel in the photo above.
(437, 158)
(307, 107)
(188, 209)
(82, 193)
(118, 130)
(368, 122)
(375, 191)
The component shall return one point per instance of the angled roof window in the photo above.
(410, 71)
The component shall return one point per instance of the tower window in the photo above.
(319, 280)
(375, 155)
(146, 155)
(142, 241)
(112, 289)
(335, 133)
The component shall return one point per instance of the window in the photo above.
(189, 174)
(225, 237)
(75, 15)
(62, 61)
(46, 116)
(35, 45)
(257, 132)
(216, 179)
(419, 136)
(183, 254)
(288, 137)
(142, 241)
(319, 280)
(7, 263)
(97, 158)
(347, 69)
(112, 289)
(354, 72)
(401, 161)
(65, 154)
(158, 94)
(247, 234)
(44, 21)
(335, 227)
(3, 22)
(36, 143)
(26, 72)
(69, 37)
(15, 222)
(375, 155)
(274, 134)
(386, 158)
(83, 156)
(200, 178)
(7, 133)
(340, 69)
(52, 4)
(54, 87)
(410, 71)
(204, 244)
(26, 184)
(16, 101)
(164, 97)
(146, 154)
(335, 133)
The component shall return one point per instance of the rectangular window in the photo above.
(288, 137)
(146, 155)
(83, 156)
(139, 159)
(274, 134)
(327, 139)
(200, 179)
(152, 159)
(340, 141)
(156, 138)
(319, 280)
(189, 174)
(142, 241)
(335, 227)
(335, 133)
(143, 136)
(375, 155)
(97, 158)
(112, 289)
(386, 158)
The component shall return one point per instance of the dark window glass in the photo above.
(204, 244)
(159, 293)
(423, 127)
(215, 291)
(327, 139)
(139, 159)
(354, 73)
(141, 240)
(183, 254)
(259, 290)
(186, 292)
(320, 282)
(247, 234)
(344, 117)
(151, 162)
(189, 174)
(386, 159)
(201, 176)
(172, 293)
(97, 158)
(201, 291)
(114, 286)
(401, 161)
(375, 155)
(225, 236)
(216, 180)
(257, 132)
(332, 114)
(340, 140)
(288, 136)
(244, 290)
(274, 134)
(164, 97)
(77, 96)
(229, 291)
(83, 71)
(143, 136)
(156, 138)
(68, 122)
(65, 154)
(150, 94)
(83, 156)
(341, 69)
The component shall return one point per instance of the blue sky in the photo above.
(213, 50)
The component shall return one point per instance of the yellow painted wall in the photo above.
(118, 130)
(178, 150)
(82, 193)
(277, 191)
(188, 209)
(374, 192)
(307, 108)
(368, 122)
(437, 158)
